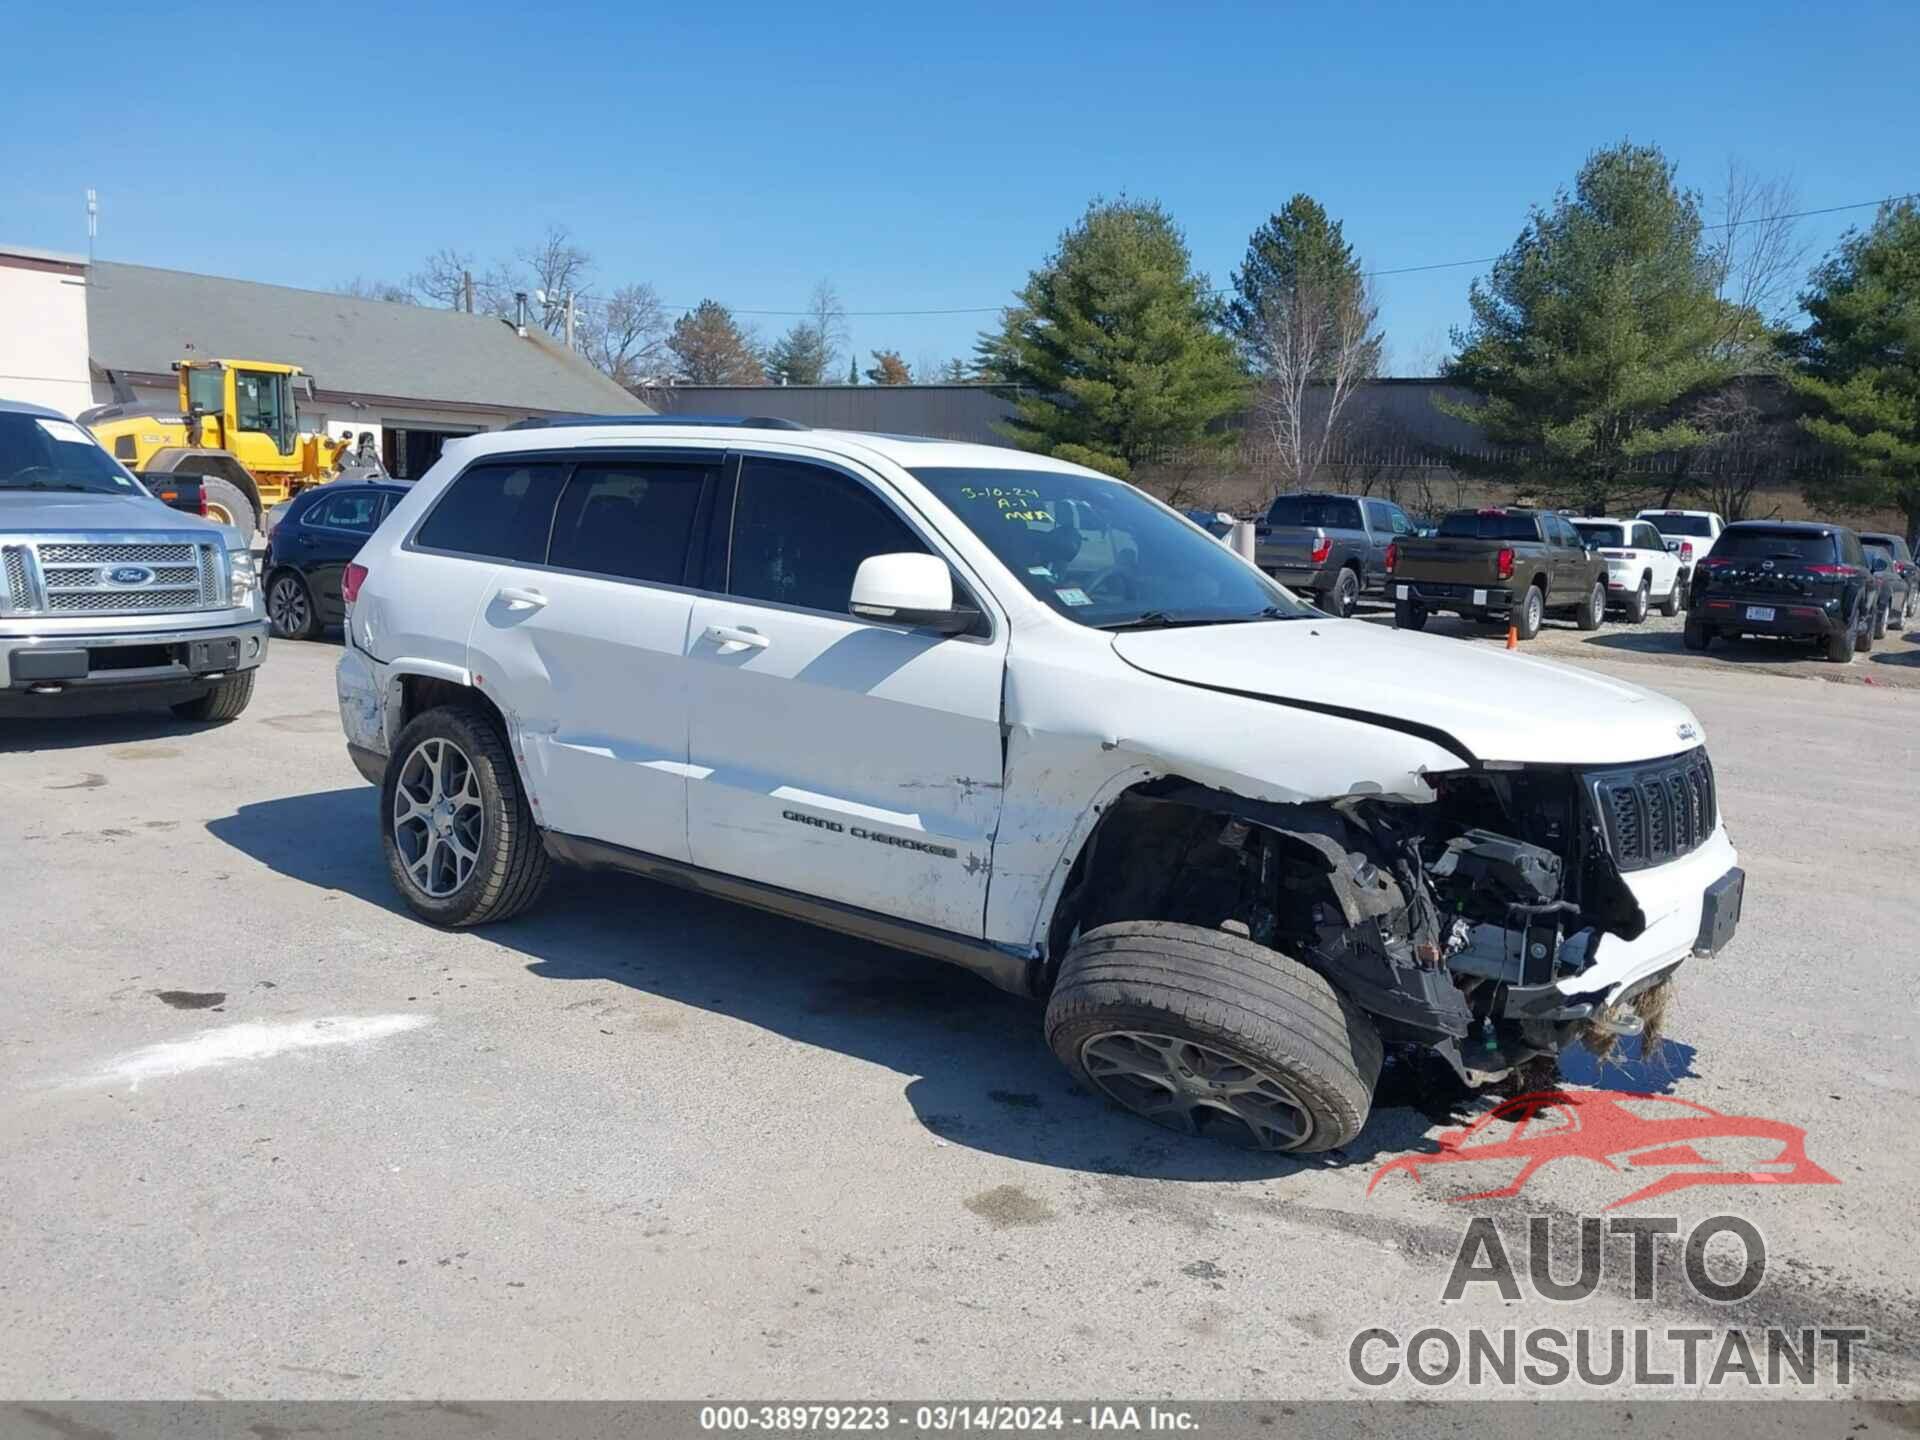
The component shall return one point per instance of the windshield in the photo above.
(1488, 525)
(1681, 524)
(263, 401)
(1599, 534)
(1316, 511)
(1100, 552)
(1883, 547)
(40, 452)
(1775, 545)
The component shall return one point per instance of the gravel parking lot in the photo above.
(263, 1134)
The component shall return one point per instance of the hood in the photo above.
(40, 512)
(1487, 704)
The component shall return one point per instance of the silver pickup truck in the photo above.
(104, 588)
(1330, 547)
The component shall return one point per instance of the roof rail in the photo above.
(734, 422)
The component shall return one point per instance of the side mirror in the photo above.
(1877, 565)
(909, 589)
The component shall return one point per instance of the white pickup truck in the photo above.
(104, 589)
(1007, 712)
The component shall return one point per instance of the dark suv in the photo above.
(1903, 576)
(317, 533)
(1787, 579)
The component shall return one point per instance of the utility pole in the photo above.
(570, 320)
(466, 288)
(93, 223)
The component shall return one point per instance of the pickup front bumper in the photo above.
(48, 664)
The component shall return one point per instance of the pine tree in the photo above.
(712, 349)
(1595, 329)
(1113, 345)
(1860, 364)
(853, 370)
(799, 357)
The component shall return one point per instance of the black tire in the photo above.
(1641, 603)
(511, 867)
(1593, 610)
(1527, 615)
(1241, 1001)
(1670, 606)
(290, 608)
(223, 701)
(228, 500)
(1696, 636)
(1409, 615)
(1344, 595)
(1880, 623)
(1840, 647)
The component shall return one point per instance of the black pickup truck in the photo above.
(1498, 564)
(1786, 579)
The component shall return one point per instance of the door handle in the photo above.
(518, 599)
(733, 639)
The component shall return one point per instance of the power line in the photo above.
(594, 301)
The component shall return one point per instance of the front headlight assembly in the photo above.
(243, 578)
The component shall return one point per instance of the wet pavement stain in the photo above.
(191, 999)
(1008, 1205)
(89, 780)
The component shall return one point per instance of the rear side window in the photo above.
(359, 511)
(633, 521)
(502, 512)
(800, 533)
(1645, 537)
(1776, 545)
(1488, 525)
(1600, 534)
(1319, 512)
(1682, 524)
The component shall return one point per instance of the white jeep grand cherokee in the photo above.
(1009, 713)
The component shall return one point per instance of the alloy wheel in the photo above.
(1196, 1089)
(287, 606)
(439, 819)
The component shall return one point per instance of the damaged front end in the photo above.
(1463, 924)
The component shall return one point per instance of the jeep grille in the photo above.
(1655, 811)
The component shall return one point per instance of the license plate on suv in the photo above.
(1760, 612)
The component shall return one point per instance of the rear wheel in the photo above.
(1880, 623)
(1641, 602)
(1344, 595)
(459, 836)
(1696, 636)
(1409, 615)
(227, 504)
(1590, 614)
(223, 701)
(1526, 617)
(1840, 647)
(1212, 1035)
(1670, 606)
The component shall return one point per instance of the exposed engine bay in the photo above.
(1451, 923)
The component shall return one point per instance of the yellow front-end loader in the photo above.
(238, 428)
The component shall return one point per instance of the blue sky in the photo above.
(923, 158)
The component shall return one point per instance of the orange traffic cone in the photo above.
(1513, 637)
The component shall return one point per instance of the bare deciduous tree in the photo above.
(1319, 340)
(1757, 258)
(361, 288)
(442, 279)
(828, 317)
(625, 335)
(557, 268)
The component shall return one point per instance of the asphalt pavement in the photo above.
(264, 1134)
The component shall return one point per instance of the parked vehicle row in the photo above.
(1793, 579)
(1332, 548)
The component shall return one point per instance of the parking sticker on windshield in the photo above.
(1073, 595)
(63, 430)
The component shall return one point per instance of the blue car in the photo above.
(308, 549)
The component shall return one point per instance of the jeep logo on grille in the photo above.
(129, 575)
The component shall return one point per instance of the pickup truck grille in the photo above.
(75, 578)
(1656, 811)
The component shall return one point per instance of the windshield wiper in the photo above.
(1160, 620)
(43, 485)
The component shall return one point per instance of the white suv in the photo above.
(1639, 565)
(1010, 713)
(1689, 535)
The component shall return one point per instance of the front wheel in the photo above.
(1212, 1035)
(290, 608)
(1409, 615)
(460, 842)
(223, 700)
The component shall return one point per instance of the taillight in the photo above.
(1505, 563)
(1393, 557)
(1322, 548)
(203, 504)
(351, 580)
(1828, 569)
(1686, 549)
(1718, 562)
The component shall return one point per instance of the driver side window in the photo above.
(800, 532)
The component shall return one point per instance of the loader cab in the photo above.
(251, 402)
